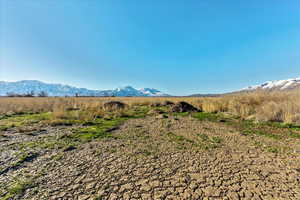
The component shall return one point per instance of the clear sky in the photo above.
(178, 46)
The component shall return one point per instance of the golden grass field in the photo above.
(261, 106)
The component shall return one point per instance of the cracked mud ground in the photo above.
(151, 158)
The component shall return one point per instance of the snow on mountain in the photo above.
(152, 92)
(288, 84)
(26, 86)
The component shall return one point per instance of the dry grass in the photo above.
(263, 106)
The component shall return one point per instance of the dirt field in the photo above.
(149, 154)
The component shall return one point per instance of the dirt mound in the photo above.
(114, 105)
(72, 109)
(168, 103)
(155, 104)
(164, 103)
(183, 107)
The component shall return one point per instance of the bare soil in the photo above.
(150, 158)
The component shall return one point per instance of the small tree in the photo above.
(29, 94)
(42, 94)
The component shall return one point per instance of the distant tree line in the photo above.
(28, 94)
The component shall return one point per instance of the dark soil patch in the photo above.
(183, 107)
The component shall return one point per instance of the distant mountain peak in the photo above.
(26, 86)
(125, 88)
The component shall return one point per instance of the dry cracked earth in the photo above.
(150, 158)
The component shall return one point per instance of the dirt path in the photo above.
(167, 158)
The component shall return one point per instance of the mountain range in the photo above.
(28, 86)
(278, 85)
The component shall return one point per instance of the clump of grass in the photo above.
(24, 157)
(207, 142)
(144, 152)
(216, 139)
(294, 134)
(272, 149)
(214, 105)
(203, 141)
(179, 140)
(57, 156)
(203, 137)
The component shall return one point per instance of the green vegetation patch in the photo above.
(203, 141)
(249, 127)
(261, 133)
(18, 188)
(183, 114)
(23, 120)
(137, 112)
(178, 138)
(214, 117)
(206, 116)
(292, 128)
(49, 143)
(282, 125)
(101, 130)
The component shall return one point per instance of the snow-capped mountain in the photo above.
(288, 84)
(27, 86)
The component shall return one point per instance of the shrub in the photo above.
(113, 105)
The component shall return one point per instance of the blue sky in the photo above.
(180, 47)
